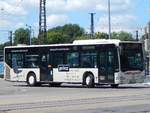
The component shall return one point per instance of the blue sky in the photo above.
(126, 15)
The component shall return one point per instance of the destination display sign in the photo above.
(63, 67)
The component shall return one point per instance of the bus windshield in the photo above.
(131, 57)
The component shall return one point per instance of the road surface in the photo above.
(19, 98)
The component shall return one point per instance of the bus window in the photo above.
(110, 62)
(57, 59)
(131, 60)
(43, 60)
(88, 60)
(73, 59)
(19, 59)
(131, 57)
(31, 61)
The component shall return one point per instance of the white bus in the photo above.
(86, 62)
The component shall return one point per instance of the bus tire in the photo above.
(89, 80)
(31, 79)
(114, 85)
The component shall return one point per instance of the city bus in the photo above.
(86, 62)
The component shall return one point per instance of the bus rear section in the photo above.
(131, 63)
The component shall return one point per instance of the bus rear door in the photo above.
(106, 66)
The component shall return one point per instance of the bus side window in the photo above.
(19, 59)
(88, 60)
(73, 59)
(57, 59)
(31, 61)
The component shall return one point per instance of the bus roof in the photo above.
(96, 41)
(78, 42)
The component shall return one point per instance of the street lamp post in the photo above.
(109, 19)
(30, 34)
(30, 42)
(11, 37)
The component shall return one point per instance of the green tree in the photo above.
(64, 34)
(35, 41)
(73, 31)
(123, 36)
(57, 37)
(98, 35)
(84, 37)
(21, 36)
(101, 35)
(3, 45)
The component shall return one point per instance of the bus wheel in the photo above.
(31, 79)
(89, 80)
(114, 85)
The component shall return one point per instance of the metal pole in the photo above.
(137, 35)
(10, 38)
(149, 36)
(92, 23)
(42, 22)
(109, 19)
(30, 34)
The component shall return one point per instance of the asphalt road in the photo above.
(19, 98)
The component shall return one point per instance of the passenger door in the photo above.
(106, 66)
(45, 68)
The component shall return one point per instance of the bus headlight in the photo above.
(117, 78)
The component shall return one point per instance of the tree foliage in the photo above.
(35, 41)
(21, 36)
(101, 35)
(98, 35)
(67, 34)
(83, 37)
(57, 37)
(123, 36)
(64, 34)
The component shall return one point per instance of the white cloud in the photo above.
(59, 6)
(10, 25)
(118, 23)
(12, 9)
(31, 3)
(116, 6)
(56, 6)
(5, 23)
(56, 20)
(63, 6)
(19, 25)
(58, 11)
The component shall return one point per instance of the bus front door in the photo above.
(45, 69)
(106, 66)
